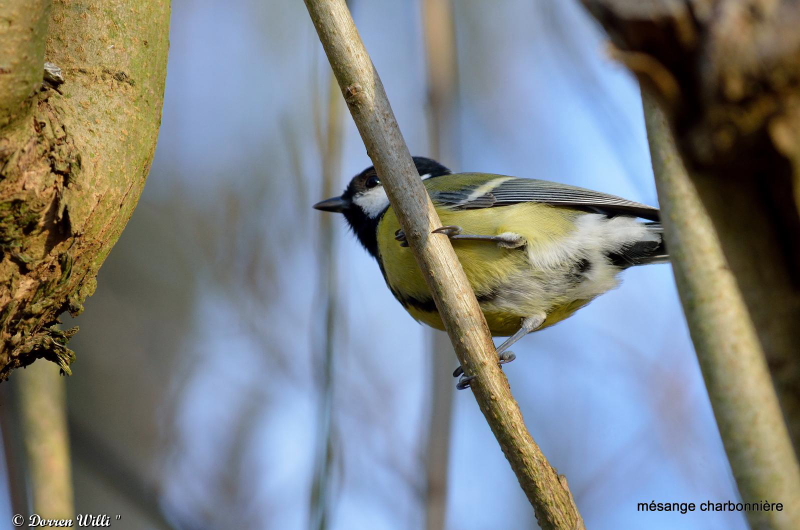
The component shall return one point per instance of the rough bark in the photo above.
(73, 161)
(366, 99)
(728, 76)
(730, 355)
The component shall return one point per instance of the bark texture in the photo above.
(73, 161)
(365, 96)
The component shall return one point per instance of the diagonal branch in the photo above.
(366, 98)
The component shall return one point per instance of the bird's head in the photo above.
(365, 197)
(364, 201)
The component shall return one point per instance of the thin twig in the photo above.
(366, 98)
(730, 354)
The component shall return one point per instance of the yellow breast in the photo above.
(487, 265)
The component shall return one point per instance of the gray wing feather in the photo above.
(519, 190)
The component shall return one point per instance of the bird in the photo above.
(534, 251)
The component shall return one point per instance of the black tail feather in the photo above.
(642, 252)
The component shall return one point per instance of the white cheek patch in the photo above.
(372, 202)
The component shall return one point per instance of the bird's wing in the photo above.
(464, 191)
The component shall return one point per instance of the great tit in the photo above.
(533, 251)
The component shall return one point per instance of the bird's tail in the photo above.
(657, 254)
(643, 252)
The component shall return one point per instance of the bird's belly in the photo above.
(504, 314)
(510, 290)
(555, 293)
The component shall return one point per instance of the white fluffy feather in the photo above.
(547, 283)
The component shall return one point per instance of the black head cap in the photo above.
(364, 222)
(369, 178)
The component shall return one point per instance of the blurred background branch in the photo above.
(441, 66)
(41, 397)
(330, 145)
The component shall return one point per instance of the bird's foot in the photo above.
(505, 357)
(505, 240)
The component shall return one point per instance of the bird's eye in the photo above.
(372, 182)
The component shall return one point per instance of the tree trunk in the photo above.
(74, 155)
(728, 76)
(731, 357)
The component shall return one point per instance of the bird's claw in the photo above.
(505, 357)
(464, 382)
(448, 230)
